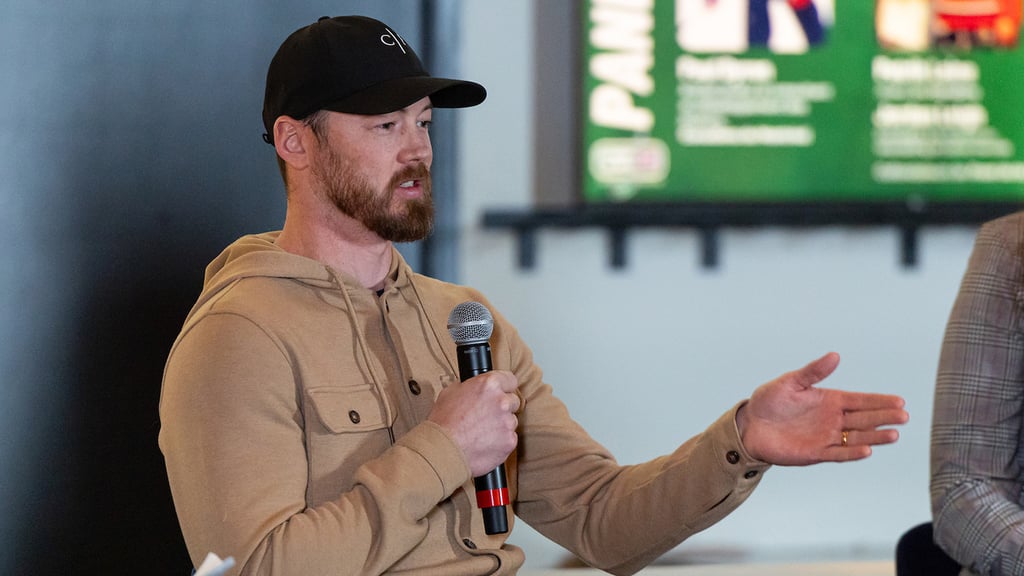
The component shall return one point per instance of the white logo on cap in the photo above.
(392, 39)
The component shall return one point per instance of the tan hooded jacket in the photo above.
(293, 425)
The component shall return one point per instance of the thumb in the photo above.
(816, 371)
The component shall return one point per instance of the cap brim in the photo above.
(401, 92)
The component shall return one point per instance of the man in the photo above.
(977, 475)
(313, 421)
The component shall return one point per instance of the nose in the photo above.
(416, 147)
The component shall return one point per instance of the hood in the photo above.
(258, 255)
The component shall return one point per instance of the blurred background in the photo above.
(131, 153)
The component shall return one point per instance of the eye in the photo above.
(426, 124)
(386, 125)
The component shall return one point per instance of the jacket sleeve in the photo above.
(619, 518)
(979, 397)
(232, 438)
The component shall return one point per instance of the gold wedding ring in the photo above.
(846, 437)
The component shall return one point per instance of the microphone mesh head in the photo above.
(470, 323)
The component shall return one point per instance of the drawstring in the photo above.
(423, 307)
(361, 340)
(365, 353)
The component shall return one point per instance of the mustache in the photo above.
(415, 172)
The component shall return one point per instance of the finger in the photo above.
(816, 371)
(518, 402)
(871, 419)
(857, 438)
(845, 453)
(870, 401)
(498, 381)
(508, 380)
(511, 403)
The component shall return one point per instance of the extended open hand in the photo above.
(790, 422)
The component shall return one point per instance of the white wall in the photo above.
(647, 356)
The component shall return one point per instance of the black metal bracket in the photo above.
(709, 218)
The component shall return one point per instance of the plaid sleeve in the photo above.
(976, 442)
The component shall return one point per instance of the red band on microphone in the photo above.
(492, 498)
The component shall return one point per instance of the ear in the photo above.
(291, 140)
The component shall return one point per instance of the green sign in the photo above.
(803, 100)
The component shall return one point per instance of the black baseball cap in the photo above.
(357, 65)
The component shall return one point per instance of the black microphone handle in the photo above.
(491, 491)
(492, 488)
(474, 359)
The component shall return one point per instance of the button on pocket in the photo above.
(348, 408)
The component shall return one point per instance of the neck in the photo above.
(339, 242)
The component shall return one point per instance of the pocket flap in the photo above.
(344, 409)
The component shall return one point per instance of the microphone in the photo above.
(470, 325)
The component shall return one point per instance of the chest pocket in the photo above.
(348, 409)
(345, 427)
